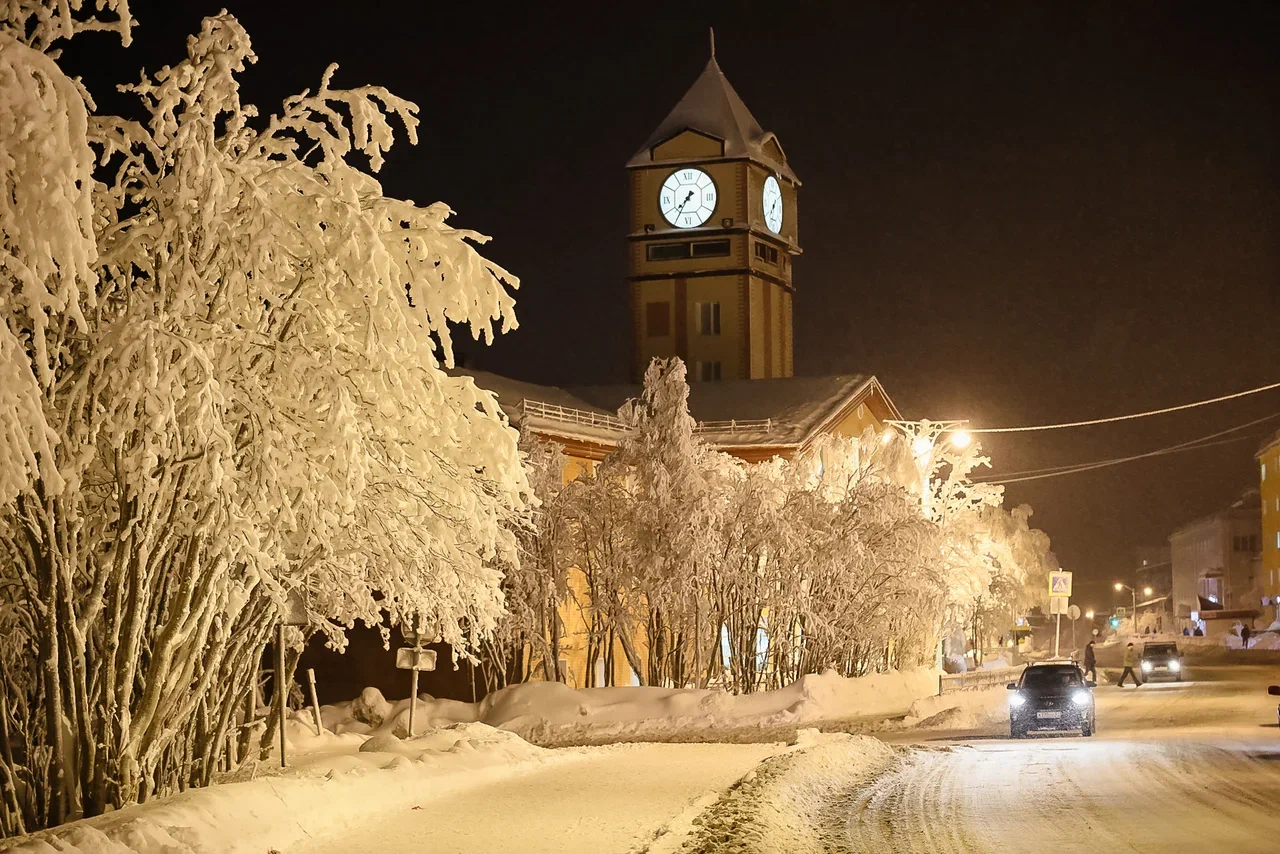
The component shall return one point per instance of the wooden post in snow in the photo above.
(281, 700)
(315, 702)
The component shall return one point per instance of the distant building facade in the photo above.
(1215, 564)
(1269, 487)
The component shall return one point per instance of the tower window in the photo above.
(707, 372)
(686, 249)
(667, 251)
(657, 319)
(767, 253)
(710, 248)
(708, 318)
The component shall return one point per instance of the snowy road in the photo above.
(611, 800)
(1190, 766)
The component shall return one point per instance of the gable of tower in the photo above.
(689, 145)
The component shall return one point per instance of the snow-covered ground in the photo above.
(438, 790)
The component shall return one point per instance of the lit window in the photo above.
(708, 318)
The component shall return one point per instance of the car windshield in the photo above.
(1050, 678)
(1160, 649)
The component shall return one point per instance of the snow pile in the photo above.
(786, 805)
(280, 812)
(553, 714)
(961, 710)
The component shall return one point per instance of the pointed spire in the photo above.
(713, 43)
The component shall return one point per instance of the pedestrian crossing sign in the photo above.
(1059, 584)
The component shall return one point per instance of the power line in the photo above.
(1130, 417)
(1076, 468)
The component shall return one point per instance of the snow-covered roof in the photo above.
(711, 106)
(774, 413)
(794, 407)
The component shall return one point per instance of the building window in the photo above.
(707, 372)
(657, 319)
(666, 251)
(685, 249)
(708, 318)
(710, 248)
(767, 253)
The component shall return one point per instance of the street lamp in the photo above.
(1146, 591)
(1088, 615)
(925, 437)
(1134, 594)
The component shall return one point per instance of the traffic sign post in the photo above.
(1073, 613)
(415, 659)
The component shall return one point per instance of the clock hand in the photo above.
(680, 209)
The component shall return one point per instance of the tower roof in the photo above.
(712, 107)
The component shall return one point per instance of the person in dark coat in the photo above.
(1244, 637)
(1090, 662)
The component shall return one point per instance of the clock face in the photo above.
(772, 199)
(687, 198)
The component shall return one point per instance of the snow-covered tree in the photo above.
(227, 394)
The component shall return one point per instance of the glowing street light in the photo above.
(961, 439)
(1146, 591)
(1088, 615)
(1134, 593)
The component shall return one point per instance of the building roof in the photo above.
(1247, 506)
(711, 106)
(783, 411)
(773, 413)
(1272, 442)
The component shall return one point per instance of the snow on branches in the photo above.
(706, 570)
(221, 361)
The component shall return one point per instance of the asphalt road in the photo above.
(1191, 766)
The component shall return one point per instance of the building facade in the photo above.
(1215, 565)
(1269, 487)
(712, 240)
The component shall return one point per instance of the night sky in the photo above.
(1013, 213)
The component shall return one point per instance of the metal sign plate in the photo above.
(1059, 584)
(414, 658)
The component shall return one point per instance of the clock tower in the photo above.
(712, 240)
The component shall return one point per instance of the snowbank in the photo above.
(961, 710)
(322, 799)
(553, 714)
(787, 804)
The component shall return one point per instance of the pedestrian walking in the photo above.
(1130, 659)
(1090, 662)
(1244, 637)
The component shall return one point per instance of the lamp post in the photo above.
(1146, 591)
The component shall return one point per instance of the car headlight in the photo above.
(1082, 698)
(1175, 665)
(1016, 700)
(1146, 667)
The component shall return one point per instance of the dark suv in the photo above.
(1052, 697)
(1161, 659)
